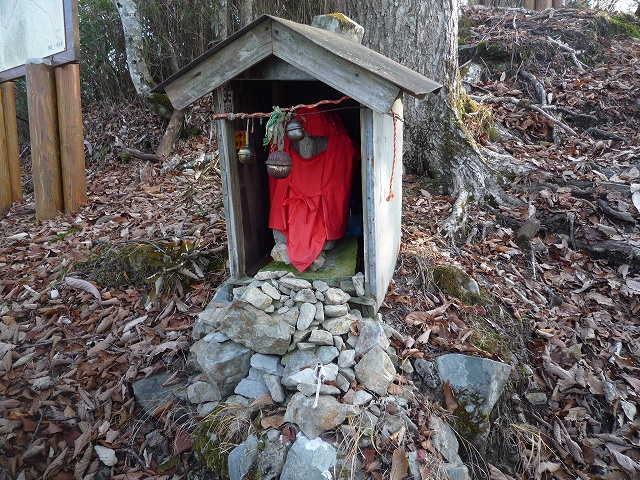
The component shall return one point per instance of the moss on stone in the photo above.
(618, 25)
(167, 465)
(340, 262)
(464, 30)
(160, 104)
(213, 440)
(469, 422)
(455, 282)
(342, 20)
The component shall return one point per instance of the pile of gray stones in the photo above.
(306, 344)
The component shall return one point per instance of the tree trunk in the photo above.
(423, 35)
(140, 75)
(170, 134)
(246, 12)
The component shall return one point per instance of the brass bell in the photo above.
(246, 154)
(295, 131)
(279, 164)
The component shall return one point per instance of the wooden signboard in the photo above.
(37, 29)
(40, 39)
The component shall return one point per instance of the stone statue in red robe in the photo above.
(311, 206)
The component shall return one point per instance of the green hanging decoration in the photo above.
(275, 127)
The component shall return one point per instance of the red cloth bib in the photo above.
(311, 205)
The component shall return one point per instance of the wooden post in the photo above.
(558, 3)
(8, 96)
(43, 128)
(542, 5)
(74, 178)
(529, 4)
(5, 178)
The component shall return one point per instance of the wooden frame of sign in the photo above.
(72, 40)
(55, 123)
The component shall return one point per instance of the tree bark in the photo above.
(141, 76)
(170, 134)
(423, 35)
(246, 12)
(134, 45)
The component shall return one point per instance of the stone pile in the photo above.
(306, 344)
(276, 334)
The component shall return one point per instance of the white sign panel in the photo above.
(30, 29)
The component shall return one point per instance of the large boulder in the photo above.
(253, 328)
(375, 370)
(309, 460)
(328, 414)
(224, 364)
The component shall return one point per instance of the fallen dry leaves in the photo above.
(573, 292)
(69, 347)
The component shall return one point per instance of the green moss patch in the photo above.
(340, 262)
(619, 25)
(456, 283)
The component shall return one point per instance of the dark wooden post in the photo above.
(45, 150)
(7, 93)
(5, 178)
(74, 178)
(558, 3)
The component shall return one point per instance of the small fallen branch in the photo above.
(150, 157)
(581, 66)
(603, 134)
(537, 85)
(522, 103)
(624, 216)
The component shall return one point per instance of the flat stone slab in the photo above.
(150, 394)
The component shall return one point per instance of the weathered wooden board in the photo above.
(74, 177)
(382, 219)
(43, 130)
(369, 60)
(224, 64)
(230, 188)
(272, 68)
(7, 92)
(346, 77)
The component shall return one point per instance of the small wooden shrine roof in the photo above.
(365, 75)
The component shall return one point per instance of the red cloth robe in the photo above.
(311, 205)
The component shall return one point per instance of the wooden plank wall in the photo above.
(231, 189)
(382, 219)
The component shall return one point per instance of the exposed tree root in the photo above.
(170, 134)
(475, 179)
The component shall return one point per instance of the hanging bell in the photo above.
(246, 154)
(294, 130)
(279, 164)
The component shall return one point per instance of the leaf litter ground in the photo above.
(67, 360)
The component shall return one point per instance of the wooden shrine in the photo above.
(276, 62)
